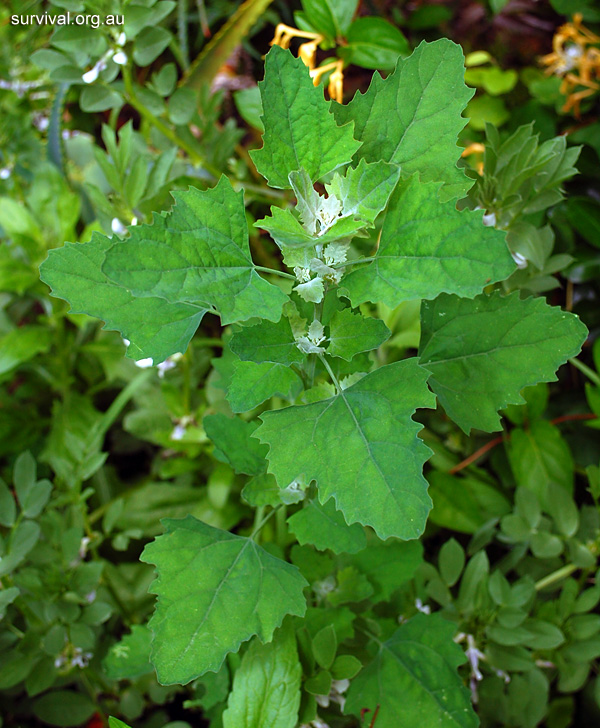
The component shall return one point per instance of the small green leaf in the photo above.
(352, 333)
(215, 590)
(116, 723)
(361, 447)
(249, 104)
(8, 507)
(387, 565)
(364, 190)
(414, 675)
(428, 247)
(345, 667)
(32, 495)
(267, 342)
(252, 384)
(130, 658)
(319, 684)
(63, 708)
(182, 105)
(266, 686)
(99, 98)
(24, 538)
(374, 43)
(300, 131)
(234, 444)
(332, 18)
(483, 352)
(324, 646)
(7, 595)
(451, 561)
(352, 587)
(149, 44)
(413, 117)
(325, 528)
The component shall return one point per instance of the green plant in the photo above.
(334, 457)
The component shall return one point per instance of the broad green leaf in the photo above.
(352, 333)
(215, 590)
(21, 345)
(63, 708)
(155, 327)
(464, 504)
(365, 190)
(414, 676)
(387, 565)
(332, 18)
(325, 528)
(428, 247)
(266, 686)
(483, 352)
(413, 117)
(252, 384)
(233, 444)
(155, 286)
(361, 447)
(130, 658)
(374, 43)
(300, 131)
(267, 342)
(198, 254)
(540, 455)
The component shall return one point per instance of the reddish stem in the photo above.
(500, 438)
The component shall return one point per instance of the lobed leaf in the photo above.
(352, 334)
(234, 444)
(414, 116)
(215, 590)
(483, 352)
(414, 676)
(199, 254)
(266, 686)
(325, 528)
(252, 384)
(300, 131)
(362, 449)
(155, 327)
(428, 247)
(364, 190)
(267, 342)
(155, 286)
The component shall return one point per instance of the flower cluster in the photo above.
(576, 59)
(308, 53)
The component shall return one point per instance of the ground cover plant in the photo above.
(246, 400)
